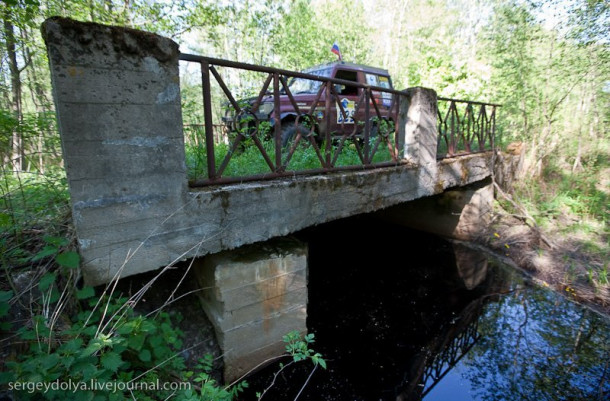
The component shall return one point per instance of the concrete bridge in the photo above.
(117, 97)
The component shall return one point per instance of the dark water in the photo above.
(401, 315)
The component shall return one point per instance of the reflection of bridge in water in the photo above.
(456, 337)
(443, 353)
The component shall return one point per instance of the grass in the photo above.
(32, 206)
(248, 160)
(573, 209)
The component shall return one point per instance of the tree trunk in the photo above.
(18, 156)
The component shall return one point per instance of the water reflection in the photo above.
(406, 316)
(537, 346)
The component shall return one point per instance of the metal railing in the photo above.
(368, 140)
(465, 127)
(371, 138)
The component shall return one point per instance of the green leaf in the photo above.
(145, 355)
(70, 259)
(148, 327)
(72, 345)
(84, 368)
(111, 361)
(85, 293)
(5, 220)
(67, 361)
(50, 361)
(45, 281)
(47, 251)
(318, 360)
(7, 377)
(5, 297)
(136, 341)
(155, 341)
(54, 295)
(94, 346)
(56, 241)
(90, 330)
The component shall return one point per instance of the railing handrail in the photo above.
(447, 99)
(272, 70)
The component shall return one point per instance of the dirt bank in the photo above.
(560, 263)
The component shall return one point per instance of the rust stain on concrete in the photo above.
(273, 290)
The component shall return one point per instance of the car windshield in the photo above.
(301, 85)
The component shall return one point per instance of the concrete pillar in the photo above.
(462, 213)
(117, 99)
(419, 134)
(254, 296)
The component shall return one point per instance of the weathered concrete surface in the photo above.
(254, 296)
(216, 219)
(118, 105)
(117, 99)
(420, 131)
(461, 213)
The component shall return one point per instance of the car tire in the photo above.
(290, 131)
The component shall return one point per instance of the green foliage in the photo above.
(297, 346)
(562, 193)
(209, 389)
(575, 207)
(309, 37)
(5, 297)
(31, 199)
(105, 345)
(124, 354)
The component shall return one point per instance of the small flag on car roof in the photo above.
(335, 49)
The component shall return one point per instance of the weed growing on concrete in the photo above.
(297, 347)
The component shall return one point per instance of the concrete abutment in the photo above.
(253, 297)
(460, 213)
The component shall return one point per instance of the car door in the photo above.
(347, 97)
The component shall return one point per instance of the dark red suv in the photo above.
(346, 103)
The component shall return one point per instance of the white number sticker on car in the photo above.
(349, 106)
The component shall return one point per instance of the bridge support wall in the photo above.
(459, 213)
(254, 296)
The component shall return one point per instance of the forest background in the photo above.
(546, 62)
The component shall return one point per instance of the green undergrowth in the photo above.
(65, 341)
(77, 345)
(32, 206)
(248, 160)
(573, 209)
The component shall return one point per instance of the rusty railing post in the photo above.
(207, 115)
